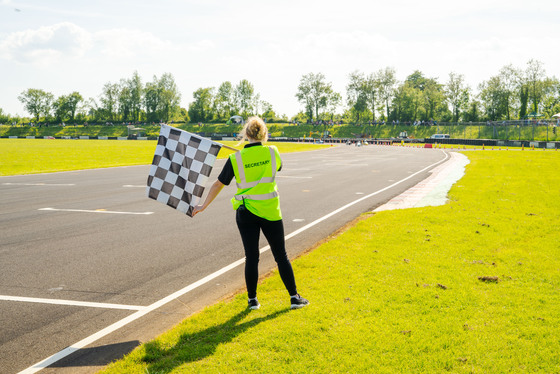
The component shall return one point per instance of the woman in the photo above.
(257, 207)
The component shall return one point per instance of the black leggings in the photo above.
(250, 227)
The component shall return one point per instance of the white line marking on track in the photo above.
(362, 199)
(125, 321)
(289, 176)
(344, 164)
(70, 303)
(133, 186)
(38, 184)
(93, 211)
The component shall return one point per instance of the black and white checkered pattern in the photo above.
(180, 169)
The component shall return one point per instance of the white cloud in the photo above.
(46, 45)
(50, 45)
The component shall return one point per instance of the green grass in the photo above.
(400, 292)
(28, 156)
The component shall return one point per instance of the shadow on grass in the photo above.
(201, 344)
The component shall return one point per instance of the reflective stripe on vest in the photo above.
(265, 196)
(242, 184)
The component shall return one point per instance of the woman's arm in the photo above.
(214, 191)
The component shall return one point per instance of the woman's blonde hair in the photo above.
(254, 129)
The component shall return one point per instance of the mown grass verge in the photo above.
(29, 156)
(468, 287)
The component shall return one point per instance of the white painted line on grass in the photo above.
(70, 303)
(125, 321)
(38, 184)
(93, 211)
(433, 190)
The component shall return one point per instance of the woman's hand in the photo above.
(214, 191)
(197, 209)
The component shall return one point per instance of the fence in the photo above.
(543, 130)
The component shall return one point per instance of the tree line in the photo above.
(376, 97)
(512, 93)
(219, 105)
(129, 100)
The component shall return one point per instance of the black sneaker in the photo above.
(254, 304)
(298, 302)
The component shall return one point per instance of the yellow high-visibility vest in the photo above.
(255, 170)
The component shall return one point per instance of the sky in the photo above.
(62, 46)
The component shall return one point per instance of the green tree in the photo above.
(551, 99)
(268, 111)
(244, 92)
(135, 92)
(523, 100)
(170, 96)
(433, 99)
(161, 98)
(457, 94)
(386, 82)
(224, 101)
(299, 118)
(314, 93)
(371, 89)
(400, 104)
(152, 98)
(509, 79)
(256, 104)
(494, 98)
(534, 78)
(36, 102)
(61, 109)
(182, 115)
(472, 114)
(430, 95)
(407, 102)
(417, 80)
(91, 108)
(124, 100)
(72, 102)
(356, 94)
(4, 117)
(200, 110)
(109, 101)
(335, 99)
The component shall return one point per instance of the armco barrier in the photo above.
(480, 142)
(495, 143)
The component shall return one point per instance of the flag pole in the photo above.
(228, 147)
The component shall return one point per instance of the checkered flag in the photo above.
(180, 169)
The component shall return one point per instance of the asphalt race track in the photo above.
(80, 251)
